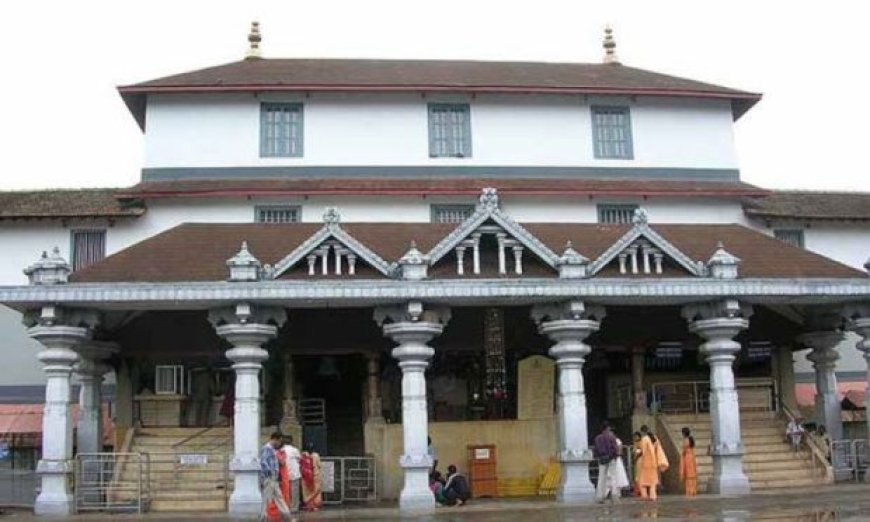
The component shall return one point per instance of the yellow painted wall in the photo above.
(523, 447)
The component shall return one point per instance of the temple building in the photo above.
(366, 254)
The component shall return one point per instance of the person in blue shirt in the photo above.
(269, 477)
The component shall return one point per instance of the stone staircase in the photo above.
(186, 468)
(769, 461)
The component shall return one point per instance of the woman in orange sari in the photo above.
(273, 513)
(647, 466)
(688, 464)
(312, 494)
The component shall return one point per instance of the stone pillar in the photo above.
(247, 329)
(568, 325)
(858, 321)
(123, 402)
(374, 405)
(785, 366)
(718, 323)
(824, 357)
(289, 419)
(638, 358)
(411, 327)
(91, 369)
(58, 331)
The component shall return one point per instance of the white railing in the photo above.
(98, 486)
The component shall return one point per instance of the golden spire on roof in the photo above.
(254, 40)
(609, 45)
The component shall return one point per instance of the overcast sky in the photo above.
(64, 125)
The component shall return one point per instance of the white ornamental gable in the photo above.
(642, 251)
(331, 251)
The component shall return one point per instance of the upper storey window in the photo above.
(611, 132)
(277, 214)
(281, 130)
(616, 214)
(449, 130)
(88, 247)
(451, 213)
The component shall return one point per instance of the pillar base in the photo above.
(416, 496)
(728, 476)
(55, 497)
(246, 498)
(575, 486)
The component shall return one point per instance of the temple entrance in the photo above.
(331, 403)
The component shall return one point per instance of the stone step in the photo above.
(187, 504)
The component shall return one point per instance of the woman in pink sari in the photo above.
(312, 494)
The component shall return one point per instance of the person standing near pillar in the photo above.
(647, 466)
(293, 457)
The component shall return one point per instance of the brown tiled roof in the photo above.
(59, 204)
(424, 186)
(811, 205)
(431, 75)
(197, 252)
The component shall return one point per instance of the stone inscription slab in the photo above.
(536, 378)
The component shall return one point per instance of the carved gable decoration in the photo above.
(643, 251)
(331, 251)
(490, 226)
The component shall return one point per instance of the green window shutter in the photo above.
(611, 133)
(281, 130)
(449, 130)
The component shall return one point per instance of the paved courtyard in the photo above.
(841, 503)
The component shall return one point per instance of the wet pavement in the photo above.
(828, 503)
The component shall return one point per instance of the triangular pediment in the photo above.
(643, 251)
(488, 222)
(331, 251)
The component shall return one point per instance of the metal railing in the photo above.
(349, 479)
(694, 396)
(205, 474)
(818, 453)
(101, 486)
(849, 458)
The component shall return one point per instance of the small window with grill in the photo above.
(281, 130)
(611, 133)
(277, 214)
(449, 130)
(88, 247)
(792, 236)
(451, 213)
(616, 214)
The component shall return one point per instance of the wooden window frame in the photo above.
(599, 146)
(292, 152)
(450, 139)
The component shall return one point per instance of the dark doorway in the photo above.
(338, 382)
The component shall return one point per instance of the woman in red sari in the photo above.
(312, 494)
(273, 513)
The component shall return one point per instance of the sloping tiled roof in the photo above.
(811, 205)
(197, 252)
(73, 203)
(424, 186)
(431, 75)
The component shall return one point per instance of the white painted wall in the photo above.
(392, 129)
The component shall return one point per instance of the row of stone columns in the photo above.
(411, 326)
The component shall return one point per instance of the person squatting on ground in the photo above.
(274, 506)
(456, 491)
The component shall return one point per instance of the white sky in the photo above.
(62, 124)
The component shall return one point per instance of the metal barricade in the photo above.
(681, 397)
(349, 479)
(112, 482)
(203, 475)
(842, 458)
(862, 458)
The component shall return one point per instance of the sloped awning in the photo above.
(26, 419)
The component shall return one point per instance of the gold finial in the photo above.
(254, 40)
(609, 45)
